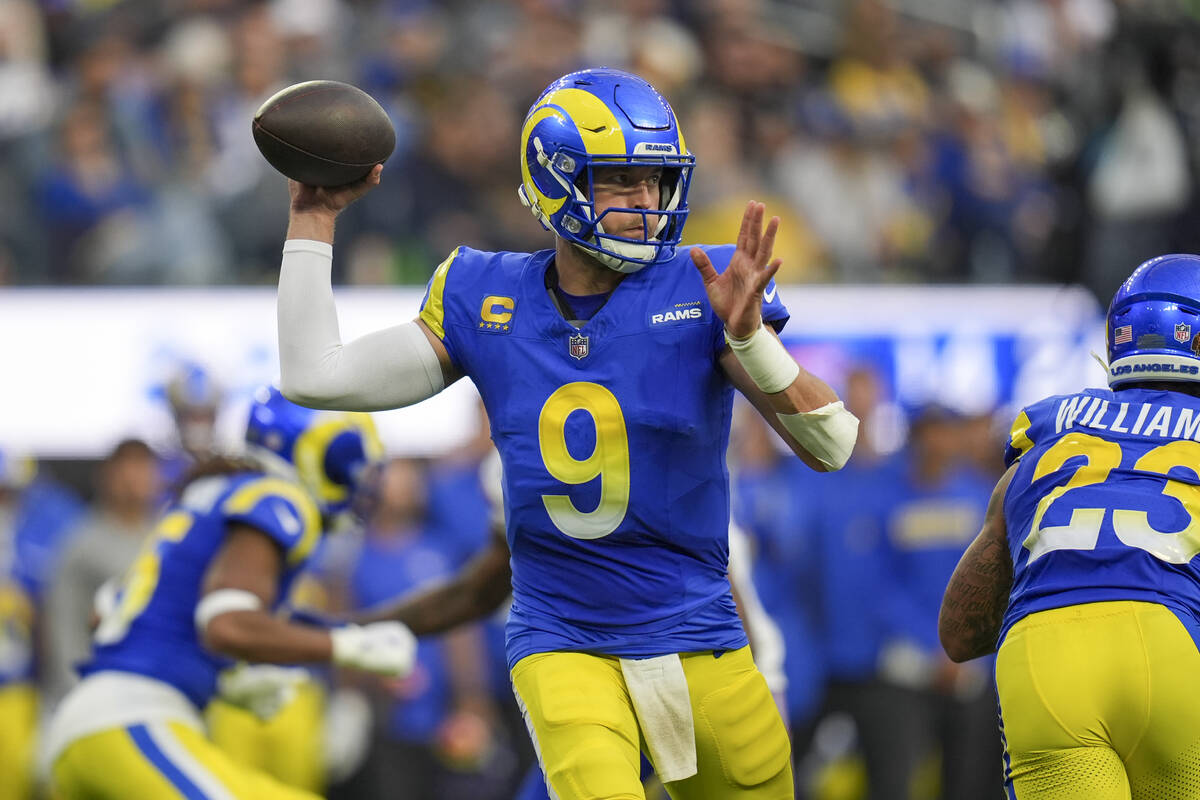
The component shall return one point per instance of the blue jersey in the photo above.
(613, 439)
(929, 527)
(851, 518)
(151, 630)
(777, 506)
(1105, 502)
(387, 567)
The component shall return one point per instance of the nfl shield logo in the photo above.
(578, 346)
(1183, 332)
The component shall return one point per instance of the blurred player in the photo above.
(607, 367)
(200, 595)
(18, 695)
(1085, 570)
(195, 398)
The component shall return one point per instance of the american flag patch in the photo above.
(1123, 334)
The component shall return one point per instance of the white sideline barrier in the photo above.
(83, 368)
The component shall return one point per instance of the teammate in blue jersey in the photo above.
(607, 367)
(199, 597)
(1086, 568)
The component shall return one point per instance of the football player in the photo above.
(484, 583)
(201, 595)
(1085, 570)
(607, 366)
(18, 694)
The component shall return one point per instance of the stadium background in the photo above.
(962, 186)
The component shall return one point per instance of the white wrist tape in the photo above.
(828, 433)
(765, 360)
(222, 601)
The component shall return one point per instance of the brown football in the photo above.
(323, 133)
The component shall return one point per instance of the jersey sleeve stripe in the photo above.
(1018, 438)
(433, 313)
(247, 496)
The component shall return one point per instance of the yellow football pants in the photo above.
(290, 746)
(18, 723)
(583, 725)
(1099, 702)
(159, 761)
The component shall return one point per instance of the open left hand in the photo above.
(736, 294)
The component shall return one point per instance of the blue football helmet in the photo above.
(192, 387)
(195, 398)
(1153, 326)
(330, 453)
(604, 118)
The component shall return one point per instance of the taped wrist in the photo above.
(828, 433)
(765, 360)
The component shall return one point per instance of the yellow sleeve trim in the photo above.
(248, 496)
(433, 313)
(1018, 438)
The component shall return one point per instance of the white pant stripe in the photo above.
(179, 755)
(537, 749)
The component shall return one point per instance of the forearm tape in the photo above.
(389, 368)
(828, 433)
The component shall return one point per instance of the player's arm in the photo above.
(390, 368)
(977, 595)
(475, 592)
(801, 407)
(233, 616)
(830, 449)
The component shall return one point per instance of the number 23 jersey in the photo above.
(612, 438)
(1105, 503)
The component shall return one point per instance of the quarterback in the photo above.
(607, 367)
(200, 597)
(1085, 570)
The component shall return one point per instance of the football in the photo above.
(323, 133)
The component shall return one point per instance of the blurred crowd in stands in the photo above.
(910, 141)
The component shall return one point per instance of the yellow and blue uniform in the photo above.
(1099, 642)
(131, 727)
(18, 697)
(613, 438)
(290, 745)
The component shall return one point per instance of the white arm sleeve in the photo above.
(390, 368)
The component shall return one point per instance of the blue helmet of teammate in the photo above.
(192, 387)
(329, 452)
(195, 397)
(1153, 326)
(604, 118)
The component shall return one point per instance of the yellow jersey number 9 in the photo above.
(609, 461)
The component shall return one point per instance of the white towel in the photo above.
(664, 710)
